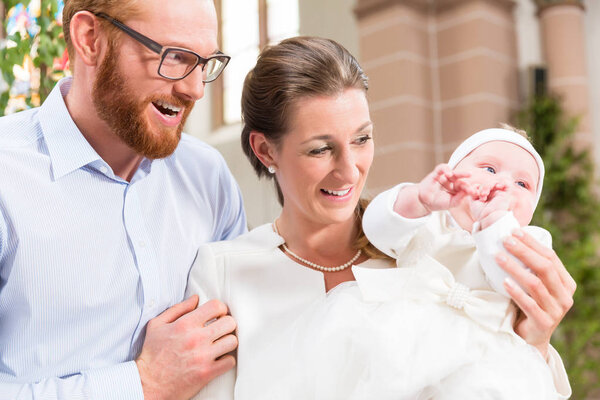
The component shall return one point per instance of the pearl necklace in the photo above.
(317, 266)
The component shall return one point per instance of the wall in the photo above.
(331, 18)
(592, 28)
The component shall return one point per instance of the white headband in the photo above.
(504, 135)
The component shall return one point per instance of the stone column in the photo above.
(563, 37)
(395, 53)
(477, 68)
(439, 71)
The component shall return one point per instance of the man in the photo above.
(103, 204)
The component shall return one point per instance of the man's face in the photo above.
(148, 112)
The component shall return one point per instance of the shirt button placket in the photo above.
(145, 257)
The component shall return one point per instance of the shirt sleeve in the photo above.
(559, 374)
(118, 382)
(207, 280)
(231, 220)
(386, 229)
(489, 243)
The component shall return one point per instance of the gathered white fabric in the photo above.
(431, 281)
(503, 135)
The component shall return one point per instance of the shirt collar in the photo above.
(67, 147)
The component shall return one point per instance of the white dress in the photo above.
(437, 311)
(362, 340)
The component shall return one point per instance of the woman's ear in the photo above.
(84, 30)
(264, 150)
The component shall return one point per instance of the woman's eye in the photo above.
(363, 139)
(490, 169)
(319, 151)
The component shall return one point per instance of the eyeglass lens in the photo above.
(178, 63)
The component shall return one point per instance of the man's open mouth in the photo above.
(167, 109)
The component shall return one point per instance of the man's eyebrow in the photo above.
(186, 47)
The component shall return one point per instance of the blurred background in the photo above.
(439, 70)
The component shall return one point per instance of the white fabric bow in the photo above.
(431, 281)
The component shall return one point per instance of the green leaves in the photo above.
(570, 209)
(42, 49)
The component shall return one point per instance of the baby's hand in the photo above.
(444, 188)
(493, 203)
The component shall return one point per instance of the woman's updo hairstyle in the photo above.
(294, 69)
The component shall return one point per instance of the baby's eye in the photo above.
(522, 184)
(490, 169)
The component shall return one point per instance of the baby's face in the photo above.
(508, 163)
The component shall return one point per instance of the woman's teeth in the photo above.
(337, 192)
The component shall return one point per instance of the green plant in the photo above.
(36, 45)
(570, 209)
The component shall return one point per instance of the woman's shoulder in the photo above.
(259, 240)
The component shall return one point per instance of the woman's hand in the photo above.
(548, 293)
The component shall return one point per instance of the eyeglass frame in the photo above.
(163, 50)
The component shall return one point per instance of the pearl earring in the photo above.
(271, 169)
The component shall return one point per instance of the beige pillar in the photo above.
(477, 68)
(395, 54)
(439, 71)
(563, 37)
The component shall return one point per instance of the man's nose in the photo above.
(192, 86)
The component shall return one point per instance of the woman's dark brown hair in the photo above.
(295, 69)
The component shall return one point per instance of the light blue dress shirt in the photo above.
(87, 258)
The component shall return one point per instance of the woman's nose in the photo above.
(346, 168)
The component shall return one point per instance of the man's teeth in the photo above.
(337, 192)
(168, 106)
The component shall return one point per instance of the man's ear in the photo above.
(86, 37)
(263, 149)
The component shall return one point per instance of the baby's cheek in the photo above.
(524, 211)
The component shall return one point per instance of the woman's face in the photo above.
(323, 161)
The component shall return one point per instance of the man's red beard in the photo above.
(117, 105)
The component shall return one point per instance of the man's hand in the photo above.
(185, 348)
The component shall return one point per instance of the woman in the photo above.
(307, 126)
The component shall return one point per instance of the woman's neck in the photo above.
(325, 244)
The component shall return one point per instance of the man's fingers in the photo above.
(224, 345)
(207, 312)
(223, 365)
(220, 327)
(173, 313)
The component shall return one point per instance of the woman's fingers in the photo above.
(554, 262)
(534, 287)
(529, 306)
(546, 266)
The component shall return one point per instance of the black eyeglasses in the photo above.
(176, 63)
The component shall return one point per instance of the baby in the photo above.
(444, 233)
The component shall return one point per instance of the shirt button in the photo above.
(103, 169)
(151, 303)
(142, 244)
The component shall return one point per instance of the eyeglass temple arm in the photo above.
(145, 40)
